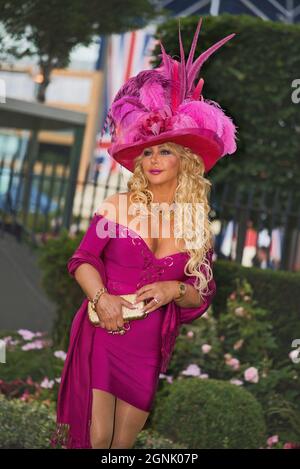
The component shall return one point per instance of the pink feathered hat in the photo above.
(163, 105)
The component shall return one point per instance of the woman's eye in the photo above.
(163, 152)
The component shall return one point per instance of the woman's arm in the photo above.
(93, 243)
(190, 298)
(89, 280)
(190, 306)
(87, 267)
(89, 251)
(86, 264)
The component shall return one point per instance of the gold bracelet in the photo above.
(96, 298)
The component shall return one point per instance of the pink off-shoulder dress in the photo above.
(128, 366)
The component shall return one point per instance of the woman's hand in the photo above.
(164, 291)
(109, 310)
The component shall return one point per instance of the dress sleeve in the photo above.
(187, 315)
(90, 248)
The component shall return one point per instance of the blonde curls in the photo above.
(193, 188)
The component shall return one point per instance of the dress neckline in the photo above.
(143, 241)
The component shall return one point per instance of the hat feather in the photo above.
(194, 68)
(209, 115)
(152, 95)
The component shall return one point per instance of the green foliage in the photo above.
(25, 426)
(280, 380)
(149, 439)
(59, 285)
(210, 414)
(36, 363)
(243, 338)
(188, 348)
(33, 374)
(245, 321)
(69, 24)
(17, 418)
(278, 292)
(51, 30)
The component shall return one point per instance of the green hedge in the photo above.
(206, 414)
(25, 426)
(29, 426)
(244, 333)
(276, 291)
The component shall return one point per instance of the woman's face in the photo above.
(159, 157)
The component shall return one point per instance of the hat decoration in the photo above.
(164, 104)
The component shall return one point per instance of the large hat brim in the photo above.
(203, 142)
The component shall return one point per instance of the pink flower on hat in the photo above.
(156, 122)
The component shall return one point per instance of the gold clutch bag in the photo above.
(127, 313)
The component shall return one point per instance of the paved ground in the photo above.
(23, 303)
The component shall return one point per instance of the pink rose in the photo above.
(237, 382)
(239, 311)
(251, 375)
(290, 445)
(272, 440)
(47, 383)
(192, 370)
(234, 363)
(26, 334)
(206, 348)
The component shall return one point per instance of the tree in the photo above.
(49, 30)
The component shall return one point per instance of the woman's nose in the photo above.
(154, 157)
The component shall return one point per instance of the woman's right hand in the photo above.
(109, 310)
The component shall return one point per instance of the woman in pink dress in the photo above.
(155, 241)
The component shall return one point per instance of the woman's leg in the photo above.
(102, 425)
(129, 421)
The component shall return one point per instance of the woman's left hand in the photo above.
(163, 291)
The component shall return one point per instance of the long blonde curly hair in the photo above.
(193, 188)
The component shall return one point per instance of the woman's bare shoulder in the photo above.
(112, 202)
